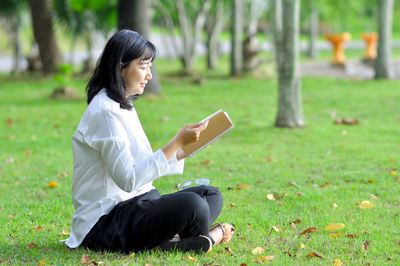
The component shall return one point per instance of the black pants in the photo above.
(149, 220)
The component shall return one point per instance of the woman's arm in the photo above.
(188, 134)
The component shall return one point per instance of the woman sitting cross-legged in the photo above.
(116, 206)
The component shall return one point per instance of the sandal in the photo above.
(197, 244)
(227, 231)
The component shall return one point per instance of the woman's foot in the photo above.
(196, 244)
(222, 232)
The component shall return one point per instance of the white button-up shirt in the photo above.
(113, 162)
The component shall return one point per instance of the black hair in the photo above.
(121, 49)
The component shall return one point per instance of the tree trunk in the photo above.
(236, 43)
(385, 15)
(43, 31)
(215, 25)
(314, 28)
(133, 15)
(16, 32)
(287, 41)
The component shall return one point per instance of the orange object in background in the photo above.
(371, 40)
(338, 41)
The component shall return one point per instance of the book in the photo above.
(219, 124)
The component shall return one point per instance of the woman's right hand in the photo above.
(190, 133)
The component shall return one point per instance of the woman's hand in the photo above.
(188, 134)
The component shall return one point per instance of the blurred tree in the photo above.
(215, 22)
(285, 22)
(190, 15)
(134, 15)
(237, 38)
(13, 9)
(42, 21)
(385, 16)
(313, 21)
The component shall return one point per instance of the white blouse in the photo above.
(113, 162)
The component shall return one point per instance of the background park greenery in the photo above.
(276, 182)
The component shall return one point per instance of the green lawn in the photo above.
(311, 168)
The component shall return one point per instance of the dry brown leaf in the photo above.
(314, 254)
(309, 230)
(334, 227)
(243, 264)
(365, 245)
(190, 258)
(229, 250)
(346, 121)
(297, 221)
(263, 258)
(257, 250)
(351, 235)
(397, 179)
(12, 216)
(42, 262)
(64, 233)
(366, 232)
(324, 184)
(37, 228)
(242, 186)
(85, 259)
(232, 205)
(269, 159)
(206, 162)
(32, 245)
(28, 152)
(299, 194)
(53, 184)
(365, 204)
(9, 122)
(370, 181)
(335, 235)
(337, 262)
(292, 184)
(248, 225)
(276, 228)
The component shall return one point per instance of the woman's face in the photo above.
(136, 76)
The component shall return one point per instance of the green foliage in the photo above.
(64, 75)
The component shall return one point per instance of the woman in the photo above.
(116, 206)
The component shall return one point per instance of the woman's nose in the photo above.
(149, 76)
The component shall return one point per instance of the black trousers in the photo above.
(146, 221)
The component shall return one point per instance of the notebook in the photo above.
(219, 124)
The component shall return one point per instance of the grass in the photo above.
(329, 163)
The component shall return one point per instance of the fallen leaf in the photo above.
(263, 258)
(37, 228)
(32, 245)
(132, 254)
(9, 122)
(248, 225)
(299, 194)
(242, 186)
(324, 184)
(314, 254)
(257, 250)
(53, 184)
(346, 121)
(334, 205)
(337, 262)
(28, 152)
(243, 264)
(276, 228)
(206, 162)
(365, 204)
(292, 225)
(309, 230)
(351, 235)
(370, 181)
(397, 179)
(297, 221)
(365, 245)
(232, 205)
(64, 233)
(334, 227)
(11, 216)
(229, 250)
(366, 232)
(335, 235)
(292, 184)
(270, 197)
(190, 258)
(373, 196)
(393, 172)
(392, 159)
(10, 137)
(42, 262)
(302, 246)
(85, 259)
(269, 159)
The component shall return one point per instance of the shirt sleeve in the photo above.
(107, 135)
